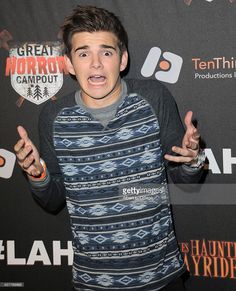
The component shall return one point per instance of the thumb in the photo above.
(23, 134)
(188, 119)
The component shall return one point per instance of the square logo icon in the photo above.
(165, 66)
(7, 163)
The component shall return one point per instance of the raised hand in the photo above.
(27, 154)
(190, 143)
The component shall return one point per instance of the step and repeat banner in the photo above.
(191, 45)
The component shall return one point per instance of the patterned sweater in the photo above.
(115, 184)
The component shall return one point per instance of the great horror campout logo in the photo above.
(36, 69)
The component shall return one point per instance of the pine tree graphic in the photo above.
(45, 92)
(29, 92)
(37, 92)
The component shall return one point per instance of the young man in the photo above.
(103, 150)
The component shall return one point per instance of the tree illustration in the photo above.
(37, 92)
(29, 92)
(45, 92)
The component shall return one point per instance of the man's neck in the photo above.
(105, 101)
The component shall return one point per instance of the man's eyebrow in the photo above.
(108, 47)
(85, 47)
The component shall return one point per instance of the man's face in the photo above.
(96, 62)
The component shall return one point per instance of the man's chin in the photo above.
(99, 97)
(96, 95)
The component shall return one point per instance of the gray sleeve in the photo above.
(172, 133)
(171, 127)
(49, 192)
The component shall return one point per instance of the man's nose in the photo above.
(96, 62)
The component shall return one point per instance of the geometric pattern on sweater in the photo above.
(120, 241)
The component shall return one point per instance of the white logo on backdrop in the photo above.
(7, 163)
(165, 66)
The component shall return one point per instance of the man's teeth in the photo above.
(97, 78)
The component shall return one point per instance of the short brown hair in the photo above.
(92, 19)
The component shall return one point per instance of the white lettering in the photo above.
(228, 161)
(11, 258)
(38, 253)
(213, 166)
(58, 252)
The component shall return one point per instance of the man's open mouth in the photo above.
(95, 79)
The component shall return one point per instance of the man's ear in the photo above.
(124, 61)
(69, 65)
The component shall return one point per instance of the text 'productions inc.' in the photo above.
(214, 68)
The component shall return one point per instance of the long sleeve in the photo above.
(50, 193)
(172, 133)
(171, 127)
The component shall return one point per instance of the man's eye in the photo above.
(107, 53)
(83, 55)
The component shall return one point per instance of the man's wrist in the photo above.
(42, 176)
(198, 161)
